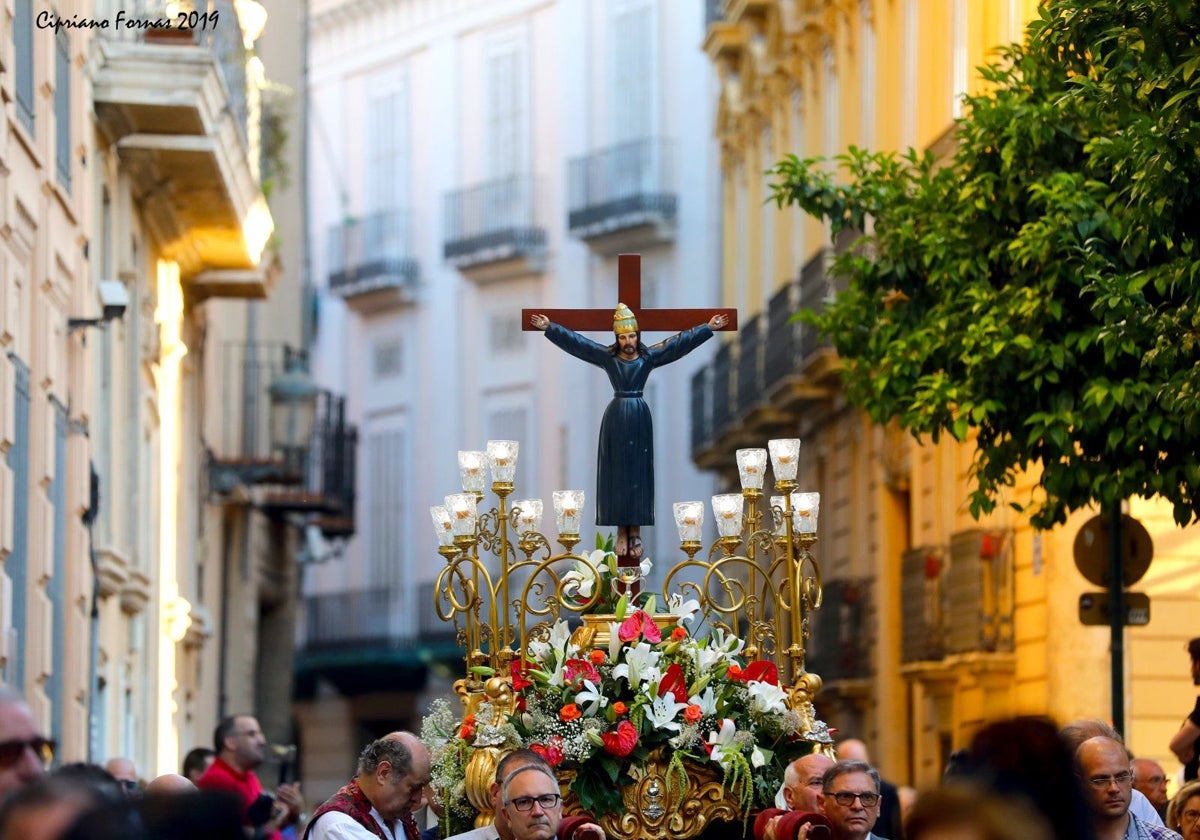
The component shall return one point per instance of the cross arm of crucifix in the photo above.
(629, 292)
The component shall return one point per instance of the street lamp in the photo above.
(293, 407)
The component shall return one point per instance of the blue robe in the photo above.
(625, 461)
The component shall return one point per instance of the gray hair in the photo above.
(522, 769)
(391, 750)
(850, 765)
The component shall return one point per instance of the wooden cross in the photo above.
(629, 292)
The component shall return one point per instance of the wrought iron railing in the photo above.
(814, 288)
(497, 218)
(782, 349)
(722, 384)
(372, 252)
(332, 457)
(840, 647)
(398, 618)
(629, 183)
(749, 364)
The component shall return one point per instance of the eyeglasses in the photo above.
(1190, 816)
(846, 798)
(525, 803)
(1156, 780)
(130, 786)
(1101, 782)
(11, 751)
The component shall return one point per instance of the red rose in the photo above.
(678, 634)
(734, 671)
(692, 714)
(576, 669)
(570, 712)
(619, 708)
(621, 741)
(598, 657)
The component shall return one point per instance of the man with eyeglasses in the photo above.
(1151, 780)
(532, 803)
(803, 781)
(241, 747)
(571, 828)
(379, 801)
(1103, 769)
(24, 751)
(849, 799)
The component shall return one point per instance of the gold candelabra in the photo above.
(765, 592)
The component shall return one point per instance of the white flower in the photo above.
(757, 757)
(767, 698)
(614, 641)
(706, 700)
(724, 749)
(590, 699)
(579, 581)
(645, 566)
(638, 662)
(661, 713)
(686, 610)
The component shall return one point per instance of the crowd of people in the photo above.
(1019, 779)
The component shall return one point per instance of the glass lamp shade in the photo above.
(785, 458)
(727, 510)
(805, 507)
(752, 467)
(502, 459)
(470, 470)
(462, 510)
(527, 515)
(442, 525)
(568, 510)
(689, 519)
(293, 398)
(780, 520)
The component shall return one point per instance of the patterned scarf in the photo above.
(352, 802)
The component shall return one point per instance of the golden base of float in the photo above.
(655, 812)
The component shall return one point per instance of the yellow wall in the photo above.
(886, 74)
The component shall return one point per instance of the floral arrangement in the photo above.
(600, 711)
(599, 584)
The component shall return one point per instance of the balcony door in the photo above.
(507, 201)
(387, 178)
(633, 51)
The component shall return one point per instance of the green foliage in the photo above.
(1041, 287)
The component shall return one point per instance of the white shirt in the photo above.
(488, 832)
(334, 825)
(1141, 808)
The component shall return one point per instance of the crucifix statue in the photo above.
(625, 461)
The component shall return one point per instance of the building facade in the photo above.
(933, 623)
(148, 577)
(469, 159)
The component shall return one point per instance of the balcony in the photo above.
(374, 639)
(624, 198)
(315, 482)
(173, 104)
(840, 647)
(371, 263)
(493, 230)
(772, 370)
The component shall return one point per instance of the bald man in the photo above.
(379, 801)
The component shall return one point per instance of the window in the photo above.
(387, 156)
(387, 358)
(633, 71)
(55, 587)
(506, 89)
(504, 334)
(23, 40)
(387, 463)
(16, 564)
(62, 108)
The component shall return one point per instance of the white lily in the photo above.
(767, 698)
(721, 741)
(686, 610)
(614, 641)
(706, 700)
(638, 661)
(590, 699)
(663, 711)
(757, 757)
(580, 581)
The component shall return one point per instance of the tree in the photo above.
(1040, 287)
